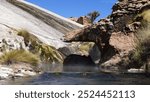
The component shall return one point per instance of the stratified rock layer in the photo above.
(47, 26)
(125, 11)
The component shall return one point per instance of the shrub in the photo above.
(86, 46)
(46, 52)
(49, 53)
(28, 38)
(146, 15)
(17, 56)
(142, 48)
(93, 15)
(143, 17)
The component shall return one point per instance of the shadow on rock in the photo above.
(77, 63)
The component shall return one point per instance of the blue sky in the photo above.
(76, 8)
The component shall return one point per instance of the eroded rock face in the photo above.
(77, 63)
(99, 33)
(123, 44)
(114, 37)
(125, 11)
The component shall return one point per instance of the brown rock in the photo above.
(126, 10)
(121, 42)
(124, 44)
(115, 47)
(84, 20)
(99, 33)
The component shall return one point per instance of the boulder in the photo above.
(5, 72)
(123, 45)
(84, 20)
(99, 33)
(83, 49)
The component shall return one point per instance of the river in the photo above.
(78, 78)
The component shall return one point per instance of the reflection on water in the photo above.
(54, 75)
(83, 79)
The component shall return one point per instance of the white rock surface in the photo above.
(5, 72)
(133, 70)
(14, 18)
(9, 40)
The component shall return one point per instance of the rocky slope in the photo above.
(47, 26)
(42, 25)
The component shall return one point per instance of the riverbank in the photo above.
(17, 70)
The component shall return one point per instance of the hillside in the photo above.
(29, 37)
(47, 26)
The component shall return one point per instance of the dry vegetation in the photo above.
(86, 46)
(46, 52)
(142, 48)
(17, 56)
(143, 17)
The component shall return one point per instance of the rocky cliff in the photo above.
(124, 12)
(115, 36)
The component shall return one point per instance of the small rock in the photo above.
(133, 70)
(19, 75)
(5, 72)
(3, 76)
(29, 73)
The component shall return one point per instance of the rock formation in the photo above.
(99, 33)
(82, 48)
(125, 11)
(47, 26)
(114, 35)
(84, 20)
(44, 26)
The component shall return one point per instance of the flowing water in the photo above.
(55, 76)
(77, 78)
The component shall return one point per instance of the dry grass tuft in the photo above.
(46, 52)
(143, 17)
(17, 56)
(142, 48)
